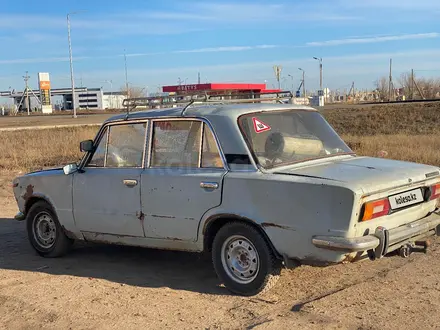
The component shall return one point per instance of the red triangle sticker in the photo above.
(259, 126)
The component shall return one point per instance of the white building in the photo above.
(96, 98)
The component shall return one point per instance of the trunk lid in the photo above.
(369, 174)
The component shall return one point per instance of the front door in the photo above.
(107, 194)
(183, 180)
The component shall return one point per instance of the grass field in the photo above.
(406, 132)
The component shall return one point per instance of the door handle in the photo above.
(130, 183)
(209, 185)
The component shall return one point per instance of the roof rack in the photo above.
(187, 100)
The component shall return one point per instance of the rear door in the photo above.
(183, 180)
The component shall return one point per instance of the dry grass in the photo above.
(405, 132)
(423, 149)
(32, 150)
(410, 119)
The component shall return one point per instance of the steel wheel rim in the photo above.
(240, 259)
(44, 230)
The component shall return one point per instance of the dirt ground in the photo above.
(115, 287)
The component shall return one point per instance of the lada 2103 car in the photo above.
(260, 186)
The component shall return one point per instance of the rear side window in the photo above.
(176, 143)
(210, 152)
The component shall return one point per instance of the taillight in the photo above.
(376, 209)
(435, 191)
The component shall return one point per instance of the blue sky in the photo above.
(235, 41)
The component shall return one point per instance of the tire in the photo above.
(45, 233)
(254, 273)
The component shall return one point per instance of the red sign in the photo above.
(214, 86)
(259, 126)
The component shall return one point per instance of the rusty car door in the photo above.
(183, 180)
(106, 195)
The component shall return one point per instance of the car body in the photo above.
(261, 186)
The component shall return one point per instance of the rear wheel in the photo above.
(243, 260)
(45, 233)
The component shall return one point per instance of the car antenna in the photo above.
(186, 107)
(128, 108)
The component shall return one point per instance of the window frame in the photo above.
(148, 143)
(204, 124)
(105, 130)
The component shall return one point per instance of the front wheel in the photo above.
(45, 233)
(243, 260)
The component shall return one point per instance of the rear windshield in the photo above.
(284, 137)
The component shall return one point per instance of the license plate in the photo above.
(406, 198)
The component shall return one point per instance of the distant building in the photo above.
(96, 98)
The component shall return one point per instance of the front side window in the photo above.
(176, 143)
(98, 159)
(284, 137)
(121, 146)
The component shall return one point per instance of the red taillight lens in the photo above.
(376, 209)
(435, 191)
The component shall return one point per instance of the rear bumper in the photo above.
(383, 240)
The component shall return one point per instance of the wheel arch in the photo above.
(214, 223)
(35, 199)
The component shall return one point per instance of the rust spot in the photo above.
(29, 192)
(140, 215)
(173, 239)
(69, 233)
(163, 216)
(269, 224)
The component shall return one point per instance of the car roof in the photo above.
(227, 110)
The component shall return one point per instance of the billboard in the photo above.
(44, 85)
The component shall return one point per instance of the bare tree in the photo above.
(133, 91)
(382, 88)
(405, 81)
(430, 87)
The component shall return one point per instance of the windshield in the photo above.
(284, 137)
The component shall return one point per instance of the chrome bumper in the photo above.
(383, 240)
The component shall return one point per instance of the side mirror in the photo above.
(86, 146)
(70, 168)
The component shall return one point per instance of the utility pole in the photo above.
(412, 84)
(198, 78)
(126, 76)
(291, 77)
(320, 71)
(277, 69)
(303, 82)
(28, 100)
(72, 80)
(390, 84)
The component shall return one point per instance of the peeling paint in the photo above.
(173, 239)
(268, 224)
(28, 193)
(163, 216)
